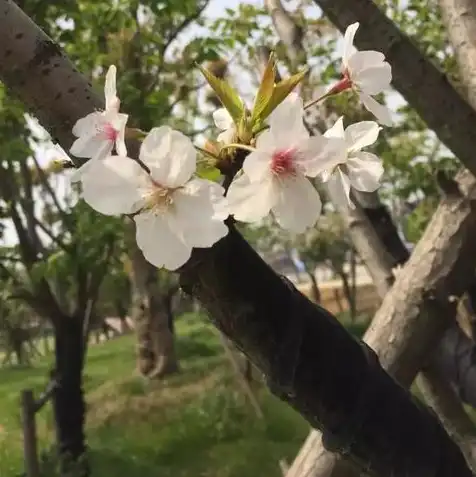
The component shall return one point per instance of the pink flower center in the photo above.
(282, 162)
(342, 85)
(110, 132)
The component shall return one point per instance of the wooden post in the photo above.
(30, 450)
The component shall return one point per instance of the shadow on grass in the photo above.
(109, 462)
(190, 347)
(357, 329)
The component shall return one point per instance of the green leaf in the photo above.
(226, 94)
(209, 172)
(281, 91)
(265, 90)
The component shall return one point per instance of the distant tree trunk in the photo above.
(346, 288)
(338, 300)
(68, 399)
(121, 312)
(163, 339)
(315, 292)
(18, 348)
(156, 355)
(168, 308)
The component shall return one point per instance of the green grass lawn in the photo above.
(195, 424)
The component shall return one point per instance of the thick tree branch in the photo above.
(374, 234)
(36, 70)
(460, 19)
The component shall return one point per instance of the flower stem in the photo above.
(319, 99)
(135, 133)
(206, 153)
(239, 146)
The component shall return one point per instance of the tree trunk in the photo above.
(156, 355)
(375, 237)
(381, 221)
(315, 292)
(346, 289)
(460, 19)
(68, 399)
(414, 313)
(168, 308)
(311, 362)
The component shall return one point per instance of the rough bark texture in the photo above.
(383, 224)
(36, 70)
(460, 19)
(314, 364)
(414, 313)
(375, 237)
(418, 80)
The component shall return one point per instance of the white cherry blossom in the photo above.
(99, 132)
(225, 123)
(361, 170)
(175, 211)
(367, 73)
(274, 175)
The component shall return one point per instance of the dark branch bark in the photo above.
(375, 237)
(312, 363)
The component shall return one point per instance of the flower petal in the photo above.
(161, 245)
(110, 93)
(112, 186)
(365, 171)
(89, 124)
(286, 122)
(337, 130)
(339, 186)
(227, 136)
(257, 165)
(170, 155)
(381, 112)
(250, 201)
(298, 204)
(78, 173)
(198, 212)
(361, 134)
(373, 80)
(361, 60)
(320, 153)
(223, 119)
(119, 123)
(91, 146)
(349, 35)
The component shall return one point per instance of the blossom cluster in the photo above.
(175, 210)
